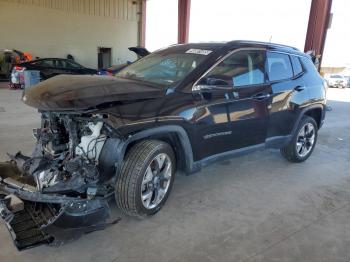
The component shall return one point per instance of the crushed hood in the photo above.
(82, 92)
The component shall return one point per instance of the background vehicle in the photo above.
(337, 81)
(50, 67)
(179, 108)
(348, 79)
(9, 59)
(139, 51)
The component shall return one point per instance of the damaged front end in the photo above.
(63, 189)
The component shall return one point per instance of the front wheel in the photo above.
(303, 143)
(146, 178)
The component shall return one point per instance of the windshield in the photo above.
(162, 68)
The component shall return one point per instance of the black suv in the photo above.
(179, 108)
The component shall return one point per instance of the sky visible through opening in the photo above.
(337, 48)
(278, 21)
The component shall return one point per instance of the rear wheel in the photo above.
(303, 143)
(146, 178)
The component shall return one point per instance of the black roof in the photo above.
(51, 58)
(47, 58)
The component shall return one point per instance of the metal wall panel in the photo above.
(117, 9)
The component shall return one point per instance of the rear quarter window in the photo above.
(308, 64)
(297, 68)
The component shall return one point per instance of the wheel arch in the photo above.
(174, 135)
(316, 114)
(315, 111)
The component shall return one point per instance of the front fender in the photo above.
(166, 129)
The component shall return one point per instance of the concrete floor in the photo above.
(257, 207)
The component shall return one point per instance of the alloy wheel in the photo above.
(305, 140)
(156, 181)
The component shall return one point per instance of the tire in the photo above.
(131, 189)
(293, 152)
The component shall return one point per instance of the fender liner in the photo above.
(178, 130)
(302, 113)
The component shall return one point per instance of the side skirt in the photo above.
(272, 142)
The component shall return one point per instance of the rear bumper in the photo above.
(46, 219)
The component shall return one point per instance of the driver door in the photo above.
(233, 111)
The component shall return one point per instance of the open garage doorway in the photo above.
(336, 57)
(283, 22)
(104, 56)
(161, 25)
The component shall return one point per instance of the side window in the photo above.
(47, 63)
(308, 64)
(71, 65)
(278, 66)
(242, 68)
(60, 64)
(297, 68)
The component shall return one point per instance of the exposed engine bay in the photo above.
(66, 183)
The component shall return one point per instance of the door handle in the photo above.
(261, 96)
(299, 88)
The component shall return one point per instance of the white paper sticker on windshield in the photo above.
(198, 51)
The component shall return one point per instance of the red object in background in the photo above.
(184, 10)
(21, 57)
(27, 56)
(319, 18)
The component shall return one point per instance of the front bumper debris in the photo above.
(33, 218)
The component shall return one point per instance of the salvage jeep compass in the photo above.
(124, 137)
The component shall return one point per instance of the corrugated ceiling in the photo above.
(118, 9)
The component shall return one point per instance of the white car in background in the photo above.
(348, 79)
(337, 81)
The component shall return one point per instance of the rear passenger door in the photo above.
(285, 74)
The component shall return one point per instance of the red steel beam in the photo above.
(319, 18)
(184, 9)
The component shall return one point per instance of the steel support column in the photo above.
(142, 27)
(184, 8)
(319, 18)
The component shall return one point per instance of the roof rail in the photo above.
(263, 43)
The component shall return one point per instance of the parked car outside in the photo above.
(124, 137)
(50, 67)
(337, 80)
(139, 51)
(348, 80)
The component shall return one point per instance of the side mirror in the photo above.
(211, 83)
